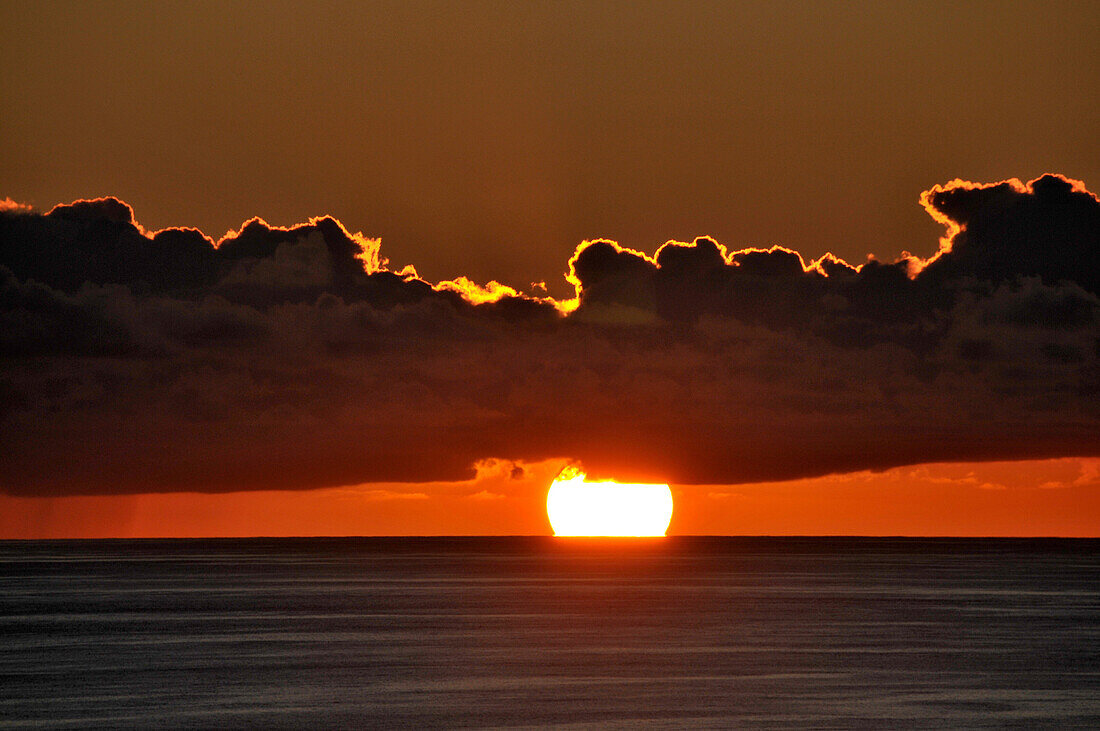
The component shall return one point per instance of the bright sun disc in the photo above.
(579, 508)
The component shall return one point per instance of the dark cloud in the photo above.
(1049, 228)
(294, 358)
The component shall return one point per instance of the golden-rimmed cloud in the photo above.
(294, 357)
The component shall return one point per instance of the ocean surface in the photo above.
(542, 632)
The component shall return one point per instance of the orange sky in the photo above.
(1039, 498)
(482, 144)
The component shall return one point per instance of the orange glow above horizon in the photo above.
(580, 508)
(1059, 497)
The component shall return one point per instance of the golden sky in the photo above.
(487, 139)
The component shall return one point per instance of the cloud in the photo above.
(388, 495)
(292, 358)
(1048, 228)
(7, 205)
(485, 495)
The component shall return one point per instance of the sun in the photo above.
(579, 508)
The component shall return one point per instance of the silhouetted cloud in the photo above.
(1048, 228)
(295, 358)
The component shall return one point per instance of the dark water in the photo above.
(542, 632)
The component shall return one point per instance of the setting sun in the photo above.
(579, 508)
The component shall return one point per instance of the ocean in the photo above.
(542, 632)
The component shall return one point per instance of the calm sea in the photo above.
(537, 632)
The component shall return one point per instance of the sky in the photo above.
(459, 279)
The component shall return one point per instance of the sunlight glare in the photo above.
(579, 508)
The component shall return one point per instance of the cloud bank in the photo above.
(293, 358)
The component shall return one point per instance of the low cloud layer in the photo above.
(293, 358)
